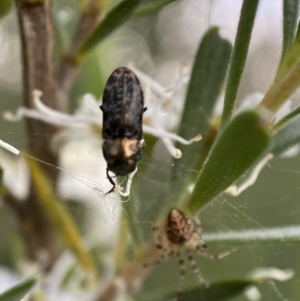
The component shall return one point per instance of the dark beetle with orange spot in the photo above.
(123, 109)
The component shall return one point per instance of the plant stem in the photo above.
(69, 65)
(282, 90)
(37, 59)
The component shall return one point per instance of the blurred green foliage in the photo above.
(5, 6)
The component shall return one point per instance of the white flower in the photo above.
(266, 274)
(9, 147)
(15, 174)
(160, 116)
(160, 120)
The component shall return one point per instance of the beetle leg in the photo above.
(111, 181)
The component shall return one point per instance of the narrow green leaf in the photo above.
(151, 8)
(137, 198)
(297, 38)
(217, 291)
(17, 292)
(282, 122)
(210, 138)
(60, 217)
(239, 56)
(241, 143)
(208, 75)
(288, 234)
(287, 79)
(290, 20)
(290, 44)
(288, 133)
(121, 247)
(117, 16)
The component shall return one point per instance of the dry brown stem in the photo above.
(36, 30)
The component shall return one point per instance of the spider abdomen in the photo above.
(179, 229)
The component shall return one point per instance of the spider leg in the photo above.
(195, 269)
(215, 256)
(199, 232)
(111, 181)
(202, 245)
(182, 274)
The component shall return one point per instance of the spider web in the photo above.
(271, 202)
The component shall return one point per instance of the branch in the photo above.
(36, 30)
(28, 217)
(69, 66)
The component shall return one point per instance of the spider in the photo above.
(181, 232)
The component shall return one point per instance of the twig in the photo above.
(35, 21)
(69, 66)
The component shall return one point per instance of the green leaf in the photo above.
(136, 199)
(239, 56)
(208, 75)
(121, 247)
(287, 78)
(17, 292)
(116, 17)
(290, 20)
(151, 8)
(297, 38)
(60, 217)
(217, 291)
(237, 148)
(5, 6)
(290, 45)
(288, 133)
(288, 234)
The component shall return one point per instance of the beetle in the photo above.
(122, 131)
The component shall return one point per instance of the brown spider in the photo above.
(179, 232)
